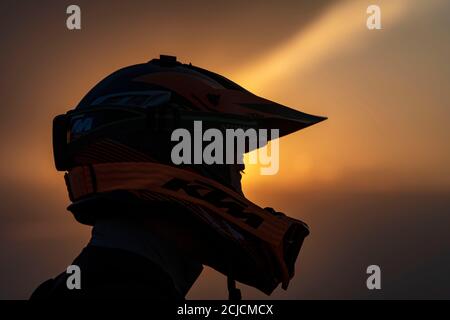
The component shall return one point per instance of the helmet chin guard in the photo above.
(269, 240)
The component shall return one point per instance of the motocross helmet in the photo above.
(115, 147)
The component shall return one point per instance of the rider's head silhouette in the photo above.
(155, 223)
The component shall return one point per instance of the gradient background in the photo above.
(373, 181)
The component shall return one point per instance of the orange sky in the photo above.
(385, 93)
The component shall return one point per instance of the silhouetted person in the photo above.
(157, 222)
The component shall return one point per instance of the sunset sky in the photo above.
(372, 182)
